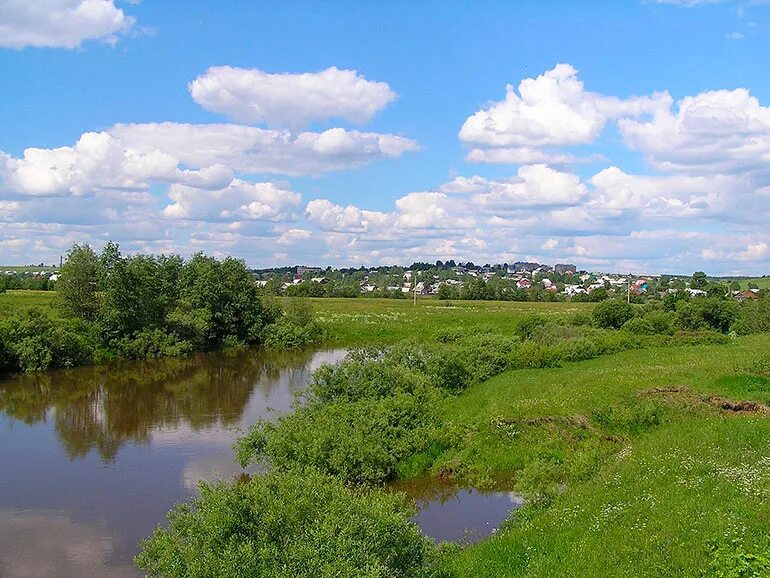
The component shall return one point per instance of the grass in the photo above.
(17, 300)
(385, 321)
(27, 268)
(761, 282)
(641, 482)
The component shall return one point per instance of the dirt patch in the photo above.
(681, 395)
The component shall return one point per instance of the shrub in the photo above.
(287, 524)
(533, 355)
(35, 340)
(528, 324)
(352, 380)
(579, 349)
(151, 343)
(359, 441)
(707, 313)
(753, 317)
(612, 314)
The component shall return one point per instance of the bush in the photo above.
(151, 343)
(352, 380)
(287, 524)
(706, 313)
(579, 349)
(753, 317)
(358, 441)
(531, 355)
(295, 328)
(35, 340)
(612, 314)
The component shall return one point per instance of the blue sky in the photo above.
(633, 136)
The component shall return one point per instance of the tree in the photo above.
(699, 280)
(78, 282)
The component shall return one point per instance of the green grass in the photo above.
(761, 282)
(17, 300)
(384, 321)
(643, 482)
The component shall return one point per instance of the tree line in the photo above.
(142, 306)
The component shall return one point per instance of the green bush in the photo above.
(358, 441)
(36, 340)
(753, 317)
(612, 314)
(151, 343)
(287, 524)
(579, 349)
(531, 355)
(706, 313)
(353, 380)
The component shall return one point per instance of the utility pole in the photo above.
(628, 297)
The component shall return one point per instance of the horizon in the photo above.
(352, 133)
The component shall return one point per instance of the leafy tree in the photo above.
(78, 283)
(699, 280)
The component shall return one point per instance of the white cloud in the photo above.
(132, 157)
(294, 236)
(239, 200)
(290, 100)
(715, 132)
(534, 186)
(330, 217)
(60, 23)
(551, 110)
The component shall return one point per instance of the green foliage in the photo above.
(612, 314)
(296, 327)
(287, 524)
(732, 560)
(151, 343)
(753, 317)
(655, 323)
(78, 284)
(707, 313)
(359, 441)
(35, 340)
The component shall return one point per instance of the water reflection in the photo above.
(448, 513)
(102, 407)
(91, 459)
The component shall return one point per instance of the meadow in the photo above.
(651, 475)
(366, 321)
(14, 301)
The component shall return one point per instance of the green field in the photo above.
(12, 301)
(642, 493)
(761, 282)
(383, 321)
(27, 268)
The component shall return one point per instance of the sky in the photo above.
(622, 136)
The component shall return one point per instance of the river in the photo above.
(92, 458)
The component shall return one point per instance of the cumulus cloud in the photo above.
(551, 110)
(714, 132)
(60, 23)
(290, 100)
(132, 157)
(239, 200)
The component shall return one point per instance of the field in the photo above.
(652, 470)
(383, 321)
(12, 301)
(761, 282)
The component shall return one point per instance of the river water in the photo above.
(92, 458)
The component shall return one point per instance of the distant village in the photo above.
(520, 281)
(526, 281)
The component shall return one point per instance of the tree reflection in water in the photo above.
(102, 407)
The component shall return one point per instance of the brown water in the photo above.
(92, 458)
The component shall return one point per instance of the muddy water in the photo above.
(91, 459)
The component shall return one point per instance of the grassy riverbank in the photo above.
(648, 470)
